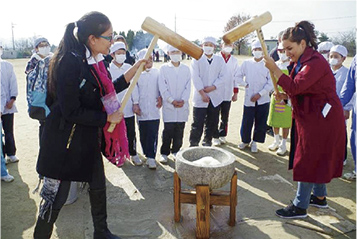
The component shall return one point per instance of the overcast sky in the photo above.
(194, 18)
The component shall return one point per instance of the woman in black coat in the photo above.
(71, 142)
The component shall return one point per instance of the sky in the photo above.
(192, 19)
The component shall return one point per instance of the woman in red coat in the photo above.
(318, 133)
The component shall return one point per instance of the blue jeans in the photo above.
(303, 193)
(3, 166)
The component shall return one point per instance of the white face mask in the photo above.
(283, 56)
(227, 49)
(44, 51)
(175, 57)
(333, 61)
(208, 50)
(257, 54)
(120, 58)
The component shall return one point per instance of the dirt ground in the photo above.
(140, 201)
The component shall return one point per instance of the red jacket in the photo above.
(319, 141)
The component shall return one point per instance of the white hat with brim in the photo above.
(117, 46)
(256, 44)
(172, 48)
(209, 39)
(339, 49)
(325, 46)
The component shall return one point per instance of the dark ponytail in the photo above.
(74, 39)
(303, 30)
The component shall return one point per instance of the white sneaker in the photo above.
(274, 146)
(282, 150)
(223, 140)
(350, 176)
(216, 142)
(12, 159)
(8, 178)
(151, 163)
(242, 145)
(253, 147)
(163, 158)
(136, 160)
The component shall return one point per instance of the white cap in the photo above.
(256, 44)
(209, 39)
(325, 46)
(171, 48)
(339, 49)
(116, 46)
(141, 53)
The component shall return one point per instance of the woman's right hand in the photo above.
(116, 117)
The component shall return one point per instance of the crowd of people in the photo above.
(314, 100)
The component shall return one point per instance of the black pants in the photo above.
(98, 182)
(149, 130)
(131, 134)
(172, 134)
(204, 117)
(258, 116)
(8, 126)
(224, 111)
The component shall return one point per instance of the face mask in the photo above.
(333, 61)
(208, 50)
(44, 51)
(325, 56)
(120, 58)
(227, 49)
(175, 57)
(257, 54)
(283, 56)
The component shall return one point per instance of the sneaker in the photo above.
(216, 142)
(350, 176)
(206, 144)
(136, 160)
(242, 146)
(163, 158)
(8, 178)
(274, 146)
(151, 163)
(314, 201)
(253, 147)
(174, 156)
(291, 211)
(282, 150)
(12, 159)
(223, 140)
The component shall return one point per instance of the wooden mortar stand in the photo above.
(204, 199)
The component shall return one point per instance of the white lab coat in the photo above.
(8, 85)
(341, 76)
(257, 77)
(231, 80)
(115, 72)
(146, 93)
(204, 74)
(175, 84)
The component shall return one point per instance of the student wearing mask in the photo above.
(175, 89)
(117, 68)
(318, 119)
(230, 91)
(324, 49)
(207, 75)
(42, 49)
(257, 82)
(280, 111)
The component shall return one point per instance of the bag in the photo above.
(37, 90)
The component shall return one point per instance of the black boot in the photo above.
(43, 229)
(98, 202)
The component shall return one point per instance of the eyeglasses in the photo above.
(110, 38)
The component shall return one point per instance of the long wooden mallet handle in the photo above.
(265, 51)
(135, 79)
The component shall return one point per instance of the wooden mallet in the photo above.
(247, 27)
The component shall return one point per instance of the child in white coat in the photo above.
(175, 89)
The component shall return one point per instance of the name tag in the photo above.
(326, 109)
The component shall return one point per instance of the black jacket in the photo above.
(72, 134)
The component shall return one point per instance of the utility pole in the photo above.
(175, 22)
(13, 39)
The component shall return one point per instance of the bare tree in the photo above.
(347, 39)
(235, 21)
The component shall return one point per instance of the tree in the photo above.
(323, 37)
(235, 21)
(347, 39)
(130, 39)
(122, 34)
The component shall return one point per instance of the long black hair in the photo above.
(303, 30)
(75, 39)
